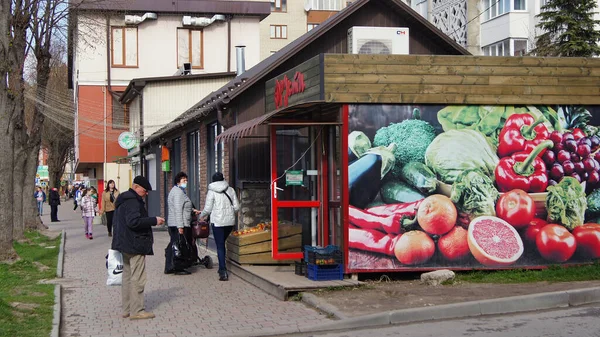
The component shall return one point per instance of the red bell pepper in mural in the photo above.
(386, 223)
(522, 170)
(521, 133)
(409, 208)
(372, 241)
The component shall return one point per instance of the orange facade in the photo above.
(94, 107)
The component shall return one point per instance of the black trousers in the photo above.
(53, 212)
(109, 220)
(74, 204)
(174, 235)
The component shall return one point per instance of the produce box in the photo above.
(255, 246)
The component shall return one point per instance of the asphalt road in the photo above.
(576, 321)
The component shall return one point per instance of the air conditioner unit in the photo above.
(378, 40)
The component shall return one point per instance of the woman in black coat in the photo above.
(54, 201)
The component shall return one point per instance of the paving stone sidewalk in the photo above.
(188, 305)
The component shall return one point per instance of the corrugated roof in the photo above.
(244, 81)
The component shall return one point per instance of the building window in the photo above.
(189, 48)
(278, 5)
(520, 47)
(124, 47)
(324, 5)
(120, 115)
(497, 49)
(311, 26)
(216, 152)
(278, 32)
(494, 8)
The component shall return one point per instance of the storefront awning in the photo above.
(243, 129)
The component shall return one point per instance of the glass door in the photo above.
(296, 174)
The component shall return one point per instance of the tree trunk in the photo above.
(31, 220)
(7, 111)
(20, 159)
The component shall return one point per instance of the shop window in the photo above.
(278, 5)
(189, 48)
(120, 115)
(311, 26)
(124, 47)
(278, 32)
(216, 151)
(324, 5)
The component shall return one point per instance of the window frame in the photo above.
(125, 122)
(498, 8)
(124, 47)
(282, 6)
(190, 49)
(274, 36)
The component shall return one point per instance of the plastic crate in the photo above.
(300, 268)
(324, 259)
(325, 273)
(323, 255)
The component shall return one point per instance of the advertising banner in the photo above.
(465, 187)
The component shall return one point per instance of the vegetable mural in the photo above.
(473, 186)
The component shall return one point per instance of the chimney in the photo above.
(240, 59)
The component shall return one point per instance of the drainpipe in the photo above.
(228, 44)
(240, 60)
(108, 46)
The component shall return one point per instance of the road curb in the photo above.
(57, 312)
(55, 332)
(506, 305)
(320, 304)
(61, 255)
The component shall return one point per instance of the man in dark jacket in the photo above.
(132, 236)
(54, 201)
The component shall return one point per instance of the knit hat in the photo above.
(139, 180)
(218, 177)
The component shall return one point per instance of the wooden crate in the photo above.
(255, 248)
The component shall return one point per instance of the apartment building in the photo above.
(487, 27)
(290, 19)
(112, 42)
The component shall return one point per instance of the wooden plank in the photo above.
(312, 77)
(290, 242)
(461, 60)
(461, 89)
(425, 79)
(247, 239)
(260, 258)
(391, 69)
(460, 99)
(296, 99)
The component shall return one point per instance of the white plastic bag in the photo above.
(114, 268)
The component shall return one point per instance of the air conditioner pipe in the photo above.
(240, 59)
(136, 19)
(202, 22)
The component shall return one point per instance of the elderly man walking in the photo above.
(132, 236)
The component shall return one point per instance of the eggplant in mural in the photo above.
(472, 186)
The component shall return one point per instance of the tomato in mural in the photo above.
(472, 186)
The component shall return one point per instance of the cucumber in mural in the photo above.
(472, 186)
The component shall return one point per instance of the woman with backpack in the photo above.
(222, 205)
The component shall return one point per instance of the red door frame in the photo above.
(344, 181)
(276, 204)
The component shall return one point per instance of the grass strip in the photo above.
(26, 306)
(554, 273)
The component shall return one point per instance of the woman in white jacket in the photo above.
(222, 205)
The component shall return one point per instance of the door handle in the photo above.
(275, 188)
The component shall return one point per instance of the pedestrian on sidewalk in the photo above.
(132, 236)
(40, 198)
(89, 208)
(54, 201)
(222, 205)
(78, 196)
(179, 221)
(108, 204)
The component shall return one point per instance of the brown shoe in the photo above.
(143, 315)
(125, 315)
